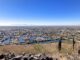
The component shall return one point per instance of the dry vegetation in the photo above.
(50, 48)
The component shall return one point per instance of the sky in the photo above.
(39, 12)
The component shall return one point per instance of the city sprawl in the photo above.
(40, 42)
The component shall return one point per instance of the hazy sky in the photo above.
(39, 12)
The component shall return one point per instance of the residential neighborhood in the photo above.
(26, 35)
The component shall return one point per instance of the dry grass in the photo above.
(50, 48)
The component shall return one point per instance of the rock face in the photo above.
(10, 56)
(25, 57)
(79, 51)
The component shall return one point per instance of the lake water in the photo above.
(21, 40)
(47, 41)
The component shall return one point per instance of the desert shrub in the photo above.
(38, 48)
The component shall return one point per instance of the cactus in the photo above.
(73, 42)
(60, 44)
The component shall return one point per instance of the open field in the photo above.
(35, 48)
(50, 48)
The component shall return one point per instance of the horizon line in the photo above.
(37, 25)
